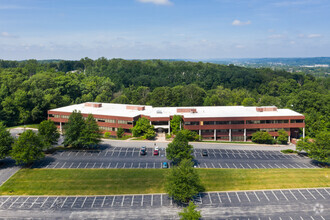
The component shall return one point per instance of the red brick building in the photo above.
(231, 123)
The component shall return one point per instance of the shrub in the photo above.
(120, 132)
(262, 137)
(107, 134)
(288, 151)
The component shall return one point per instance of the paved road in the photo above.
(7, 169)
(263, 204)
(129, 157)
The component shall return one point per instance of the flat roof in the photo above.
(120, 110)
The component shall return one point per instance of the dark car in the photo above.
(165, 165)
(143, 152)
(204, 153)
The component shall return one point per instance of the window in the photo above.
(297, 121)
(237, 138)
(222, 122)
(237, 130)
(209, 122)
(105, 120)
(273, 129)
(191, 123)
(122, 122)
(65, 116)
(207, 131)
(237, 122)
(222, 131)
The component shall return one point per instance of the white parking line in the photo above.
(299, 165)
(322, 217)
(142, 200)
(302, 194)
(249, 166)
(171, 203)
(131, 165)
(327, 191)
(220, 165)
(82, 205)
(33, 202)
(273, 157)
(312, 217)
(146, 165)
(256, 166)
(228, 197)
(44, 202)
(13, 203)
(109, 165)
(55, 164)
(101, 165)
(263, 166)
(63, 165)
(152, 199)
(213, 165)
(99, 153)
(227, 165)
(290, 218)
(205, 165)
(293, 195)
(103, 201)
(311, 194)
(122, 201)
(124, 165)
(277, 165)
(247, 196)
(154, 165)
(265, 195)
(71, 165)
(76, 153)
(241, 165)
(139, 165)
(235, 166)
(291, 165)
(84, 153)
(253, 156)
(301, 218)
(270, 166)
(119, 152)
(210, 198)
(116, 165)
(247, 156)
(133, 152)
(284, 195)
(132, 200)
(64, 202)
(86, 165)
(113, 200)
(126, 152)
(5, 201)
(74, 202)
(53, 203)
(238, 197)
(62, 153)
(94, 165)
(24, 202)
(69, 153)
(112, 153)
(274, 195)
(93, 202)
(161, 199)
(219, 197)
(285, 166)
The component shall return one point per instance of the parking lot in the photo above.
(305, 203)
(128, 157)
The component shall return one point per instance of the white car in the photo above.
(156, 148)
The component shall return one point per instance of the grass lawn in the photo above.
(141, 181)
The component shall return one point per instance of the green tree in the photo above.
(190, 135)
(73, 129)
(249, 102)
(176, 123)
(90, 136)
(262, 137)
(120, 132)
(6, 141)
(143, 128)
(179, 149)
(319, 149)
(282, 137)
(27, 148)
(190, 212)
(48, 133)
(183, 182)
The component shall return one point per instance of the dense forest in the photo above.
(29, 88)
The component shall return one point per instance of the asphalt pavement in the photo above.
(260, 204)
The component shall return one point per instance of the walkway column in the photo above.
(169, 127)
(303, 132)
(244, 134)
(289, 139)
(229, 134)
(61, 127)
(200, 134)
(215, 134)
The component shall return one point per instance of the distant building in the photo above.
(230, 123)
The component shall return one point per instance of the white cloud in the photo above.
(275, 36)
(239, 46)
(157, 2)
(7, 35)
(240, 23)
(314, 35)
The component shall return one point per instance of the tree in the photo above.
(319, 149)
(262, 137)
(249, 102)
(190, 212)
(179, 149)
(143, 128)
(183, 182)
(28, 148)
(73, 129)
(6, 141)
(282, 137)
(120, 132)
(176, 123)
(48, 133)
(90, 136)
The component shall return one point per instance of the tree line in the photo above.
(29, 88)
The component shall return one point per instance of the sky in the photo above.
(163, 29)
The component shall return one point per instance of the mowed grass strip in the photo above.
(144, 181)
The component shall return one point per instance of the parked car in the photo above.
(144, 148)
(204, 153)
(156, 152)
(165, 165)
(143, 152)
